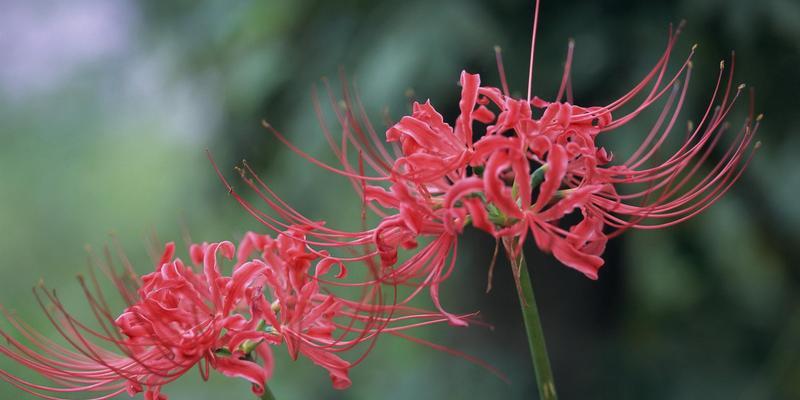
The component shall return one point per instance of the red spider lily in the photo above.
(431, 149)
(320, 325)
(511, 173)
(177, 317)
(298, 312)
(185, 315)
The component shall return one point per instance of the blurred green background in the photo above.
(106, 109)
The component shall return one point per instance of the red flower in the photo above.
(180, 316)
(298, 313)
(177, 318)
(512, 174)
(431, 149)
(314, 324)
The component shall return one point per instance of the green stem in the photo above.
(533, 328)
(267, 394)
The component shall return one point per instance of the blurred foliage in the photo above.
(113, 139)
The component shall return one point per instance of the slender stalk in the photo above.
(267, 394)
(533, 328)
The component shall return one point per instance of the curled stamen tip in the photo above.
(760, 117)
(497, 49)
(694, 47)
(741, 86)
(722, 64)
(757, 145)
(571, 41)
(40, 284)
(265, 124)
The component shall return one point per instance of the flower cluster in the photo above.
(186, 315)
(519, 168)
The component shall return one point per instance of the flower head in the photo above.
(520, 168)
(186, 315)
(180, 316)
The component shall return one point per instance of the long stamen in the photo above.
(533, 46)
(498, 55)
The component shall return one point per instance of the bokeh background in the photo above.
(106, 109)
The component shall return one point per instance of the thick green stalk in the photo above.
(267, 394)
(533, 328)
